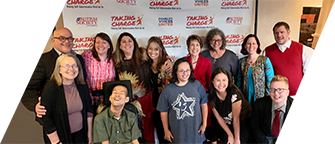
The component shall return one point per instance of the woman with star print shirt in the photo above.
(231, 110)
(183, 106)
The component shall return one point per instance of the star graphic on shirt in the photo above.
(184, 106)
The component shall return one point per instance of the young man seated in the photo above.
(116, 124)
(269, 112)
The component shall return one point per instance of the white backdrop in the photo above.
(172, 20)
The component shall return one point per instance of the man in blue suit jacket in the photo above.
(264, 115)
(63, 43)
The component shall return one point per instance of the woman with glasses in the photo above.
(254, 71)
(183, 106)
(231, 111)
(215, 41)
(99, 67)
(67, 100)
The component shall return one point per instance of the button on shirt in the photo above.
(115, 130)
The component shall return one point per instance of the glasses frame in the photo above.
(279, 90)
(68, 66)
(63, 39)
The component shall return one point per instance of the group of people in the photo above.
(208, 95)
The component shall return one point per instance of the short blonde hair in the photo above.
(280, 78)
(58, 78)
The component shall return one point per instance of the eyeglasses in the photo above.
(182, 71)
(68, 66)
(279, 90)
(217, 40)
(62, 39)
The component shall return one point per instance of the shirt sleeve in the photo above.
(203, 95)
(311, 69)
(135, 131)
(100, 132)
(269, 74)
(163, 104)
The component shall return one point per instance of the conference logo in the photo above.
(170, 41)
(87, 21)
(164, 4)
(126, 2)
(165, 21)
(234, 20)
(201, 3)
(83, 4)
(82, 43)
(127, 22)
(235, 39)
(200, 22)
(234, 4)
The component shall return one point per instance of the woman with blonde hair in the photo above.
(67, 100)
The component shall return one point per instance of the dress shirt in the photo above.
(311, 68)
(273, 113)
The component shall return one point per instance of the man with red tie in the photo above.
(269, 113)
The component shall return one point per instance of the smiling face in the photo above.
(281, 35)
(194, 48)
(277, 97)
(251, 45)
(64, 46)
(183, 72)
(127, 45)
(101, 46)
(216, 42)
(68, 70)
(119, 96)
(220, 82)
(153, 51)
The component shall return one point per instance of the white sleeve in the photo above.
(311, 69)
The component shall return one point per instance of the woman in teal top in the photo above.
(254, 71)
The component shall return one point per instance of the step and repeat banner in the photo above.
(171, 20)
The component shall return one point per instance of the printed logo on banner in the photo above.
(234, 4)
(235, 39)
(201, 3)
(234, 20)
(200, 22)
(170, 41)
(165, 21)
(83, 4)
(164, 4)
(82, 43)
(127, 2)
(88, 21)
(127, 22)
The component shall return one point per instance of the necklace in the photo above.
(195, 62)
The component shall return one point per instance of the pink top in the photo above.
(74, 107)
(97, 73)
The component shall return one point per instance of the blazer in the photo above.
(41, 76)
(56, 118)
(261, 118)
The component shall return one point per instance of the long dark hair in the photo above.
(175, 70)
(163, 56)
(231, 88)
(118, 55)
(105, 37)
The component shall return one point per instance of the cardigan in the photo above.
(56, 118)
(262, 73)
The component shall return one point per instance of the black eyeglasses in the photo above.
(62, 39)
(279, 90)
(216, 40)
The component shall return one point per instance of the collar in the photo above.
(60, 53)
(284, 46)
(282, 108)
(111, 114)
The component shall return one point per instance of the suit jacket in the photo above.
(261, 118)
(41, 76)
(56, 118)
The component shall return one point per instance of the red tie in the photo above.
(276, 124)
